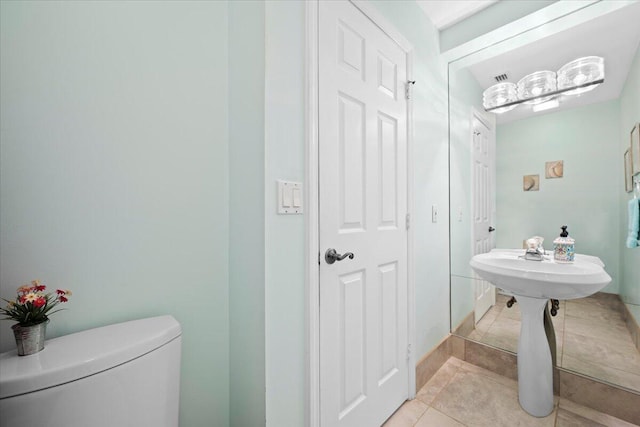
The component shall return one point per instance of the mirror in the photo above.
(523, 174)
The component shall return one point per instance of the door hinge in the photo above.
(408, 351)
(318, 258)
(407, 88)
(408, 221)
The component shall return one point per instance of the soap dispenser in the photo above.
(564, 247)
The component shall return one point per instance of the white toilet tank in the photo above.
(120, 375)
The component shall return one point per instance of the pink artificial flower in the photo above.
(63, 298)
(40, 302)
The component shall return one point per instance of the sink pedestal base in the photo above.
(535, 369)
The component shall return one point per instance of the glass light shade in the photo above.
(500, 94)
(579, 72)
(536, 84)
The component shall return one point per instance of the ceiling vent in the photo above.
(501, 78)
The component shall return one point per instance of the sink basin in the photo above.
(541, 279)
(533, 283)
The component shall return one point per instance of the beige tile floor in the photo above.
(591, 337)
(461, 394)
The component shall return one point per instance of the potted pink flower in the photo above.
(31, 309)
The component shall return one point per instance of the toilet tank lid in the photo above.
(71, 357)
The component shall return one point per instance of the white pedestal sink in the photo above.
(533, 283)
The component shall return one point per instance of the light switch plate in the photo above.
(290, 200)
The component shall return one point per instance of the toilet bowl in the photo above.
(127, 374)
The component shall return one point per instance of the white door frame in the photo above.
(312, 257)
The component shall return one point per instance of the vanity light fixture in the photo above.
(534, 85)
(576, 77)
(554, 103)
(577, 74)
(501, 94)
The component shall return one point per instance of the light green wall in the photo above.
(464, 95)
(629, 114)
(285, 326)
(246, 212)
(586, 198)
(114, 172)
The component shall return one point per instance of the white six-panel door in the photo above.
(483, 204)
(362, 209)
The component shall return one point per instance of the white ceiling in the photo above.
(614, 36)
(445, 13)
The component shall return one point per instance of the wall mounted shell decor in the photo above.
(554, 169)
(531, 183)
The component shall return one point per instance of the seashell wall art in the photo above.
(554, 169)
(531, 183)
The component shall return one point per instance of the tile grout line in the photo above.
(439, 391)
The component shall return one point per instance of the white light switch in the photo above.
(286, 198)
(297, 197)
(290, 199)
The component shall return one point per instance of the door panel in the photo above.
(352, 354)
(389, 334)
(363, 202)
(351, 158)
(388, 170)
